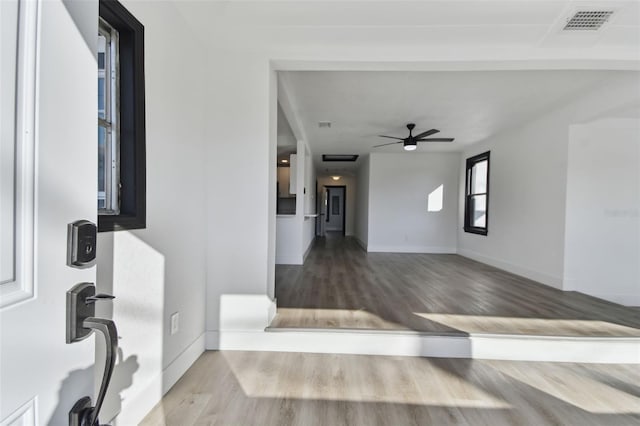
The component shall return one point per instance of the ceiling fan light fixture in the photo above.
(408, 147)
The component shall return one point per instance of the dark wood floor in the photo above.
(342, 286)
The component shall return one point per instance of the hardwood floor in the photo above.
(342, 286)
(271, 388)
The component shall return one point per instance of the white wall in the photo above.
(242, 106)
(294, 233)
(361, 220)
(160, 270)
(288, 240)
(352, 193)
(286, 137)
(528, 179)
(399, 216)
(309, 224)
(602, 247)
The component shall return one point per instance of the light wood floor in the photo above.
(342, 286)
(270, 388)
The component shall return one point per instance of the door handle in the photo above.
(107, 328)
(81, 322)
(100, 296)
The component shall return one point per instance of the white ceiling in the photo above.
(428, 23)
(469, 106)
(466, 35)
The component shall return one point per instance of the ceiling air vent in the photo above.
(588, 20)
(339, 157)
(324, 124)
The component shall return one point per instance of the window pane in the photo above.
(102, 89)
(479, 211)
(102, 173)
(479, 178)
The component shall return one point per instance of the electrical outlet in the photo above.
(175, 322)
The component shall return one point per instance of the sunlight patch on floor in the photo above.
(332, 318)
(573, 388)
(534, 326)
(327, 377)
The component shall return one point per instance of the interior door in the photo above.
(49, 174)
(335, 210)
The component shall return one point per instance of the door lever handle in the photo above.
(100, 296)
(108, 329)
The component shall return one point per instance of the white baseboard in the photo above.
(608, 350)
(272, 310)
(411, 249)
(289, 259)
(592, 289)
(481, 346)
(361, 243)
(402, 344)
(620, 299)
(212, 340)
(136, 408)
(308, 250)
(182, 363)
(550, 280)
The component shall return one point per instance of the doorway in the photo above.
(335, 212)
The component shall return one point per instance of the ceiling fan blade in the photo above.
(391, 137)
(427, 133)
(436, 140)
(385, 144)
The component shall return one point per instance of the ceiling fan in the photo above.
(411, 142)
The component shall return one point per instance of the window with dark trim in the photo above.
(121, 120)
(476, 203)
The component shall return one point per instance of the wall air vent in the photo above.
(588, 20)
(324, 124)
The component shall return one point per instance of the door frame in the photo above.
(344, 205)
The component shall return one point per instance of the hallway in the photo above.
(341, 286)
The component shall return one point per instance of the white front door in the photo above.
(48, 178)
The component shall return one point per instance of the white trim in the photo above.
(244, 323)
(23, 286)
(308, 250)
(550, 280)
(620, 299)
(212, 340)
(289, 259)
(411, 249)
(182, 362)
(360, 243)
(591, 289)
(365, 343)
(136, 408)
(25, 415)
(610, 350)
(272, 311)
(403, 343)
(503, 62)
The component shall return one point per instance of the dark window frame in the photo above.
(132, 120)
(472, 161)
